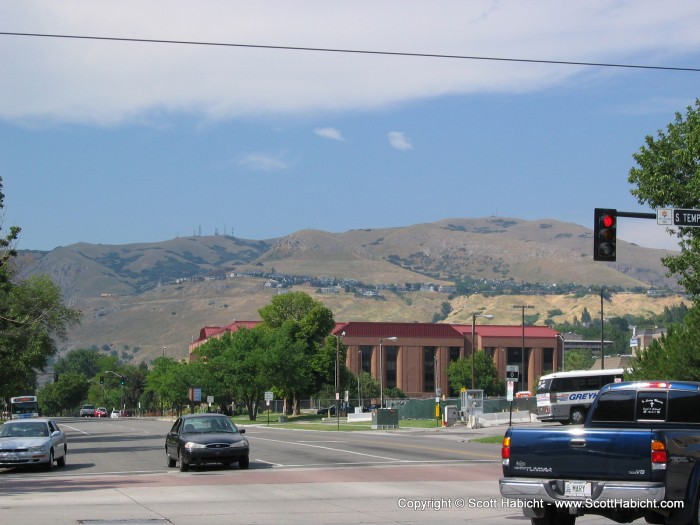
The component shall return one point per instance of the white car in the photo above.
(32, 442)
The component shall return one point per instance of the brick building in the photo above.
(415, 355)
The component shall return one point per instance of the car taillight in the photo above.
(658, 455)
(505, 451)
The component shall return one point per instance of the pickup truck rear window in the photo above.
(615, 405)
(683, 407)
(651, 406)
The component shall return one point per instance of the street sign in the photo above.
(509, 391)
(269, 396)
(686, 218)
(678, 217)
(664, 216)
(512, 373)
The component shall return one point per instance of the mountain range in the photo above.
(141, 299)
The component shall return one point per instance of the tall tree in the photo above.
(309, 323)
(675, 356)
(668, 176)
(32, 319)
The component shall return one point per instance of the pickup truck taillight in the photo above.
(505, 451)
(658, 455)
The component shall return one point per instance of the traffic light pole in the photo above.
(635, 215)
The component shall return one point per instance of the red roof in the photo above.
(404, 330)
(431, 330)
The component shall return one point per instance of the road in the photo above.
(116, 474)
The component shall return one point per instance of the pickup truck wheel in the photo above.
(577, 416)
(695, 519)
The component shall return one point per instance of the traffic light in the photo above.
(604, 234)
(122, 380)
(55, 377)
(102, 380)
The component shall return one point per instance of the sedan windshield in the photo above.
(24, 430)
(208, 425)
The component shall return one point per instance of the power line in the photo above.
(357, 51)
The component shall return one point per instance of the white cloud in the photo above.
(329, 133)
(109, 82)
(398, 140)
(262, 162)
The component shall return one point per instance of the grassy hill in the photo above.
(137, 298)
(138, 327)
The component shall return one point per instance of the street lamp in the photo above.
(359, 373)
(474, 316)
(337, 378)
(522, 351)
(381, 369)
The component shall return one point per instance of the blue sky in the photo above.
(123, 142)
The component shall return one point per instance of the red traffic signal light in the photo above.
(604, 235)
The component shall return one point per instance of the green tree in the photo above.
(32, 318)
(79, 361)
(308, 323)
(459, 374)
(169, 381)
(579, 360)
(668, 176)
(674, 356)
(64, 397)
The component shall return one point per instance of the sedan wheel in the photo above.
(49, 465)
(244, 462)
(61, 462)
(184, 466)
(169, 461)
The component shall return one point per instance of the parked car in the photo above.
(330, 411)
(32, 442)
(199, 439)
(100, 412)
(126, 413)
(87, 411)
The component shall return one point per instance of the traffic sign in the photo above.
(688, 218)
(512, 373)
(269, 396)
(509, 390)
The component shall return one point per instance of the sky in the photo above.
(255, 119)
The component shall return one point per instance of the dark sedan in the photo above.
(200, 439)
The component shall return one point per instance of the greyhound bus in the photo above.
(24, 407)
(566, 396)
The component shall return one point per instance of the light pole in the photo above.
(359, 373)
(337, 378)
(381, 369)
(522, 351)
(474, 316)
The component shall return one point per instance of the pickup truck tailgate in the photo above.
(577, 453)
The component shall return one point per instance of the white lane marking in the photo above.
(330, 448)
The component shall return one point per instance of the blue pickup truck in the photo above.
(636, 455)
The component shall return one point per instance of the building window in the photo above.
(548, 360)
(429, 369)
(390, 353)
(454, 353)
(366, 358)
